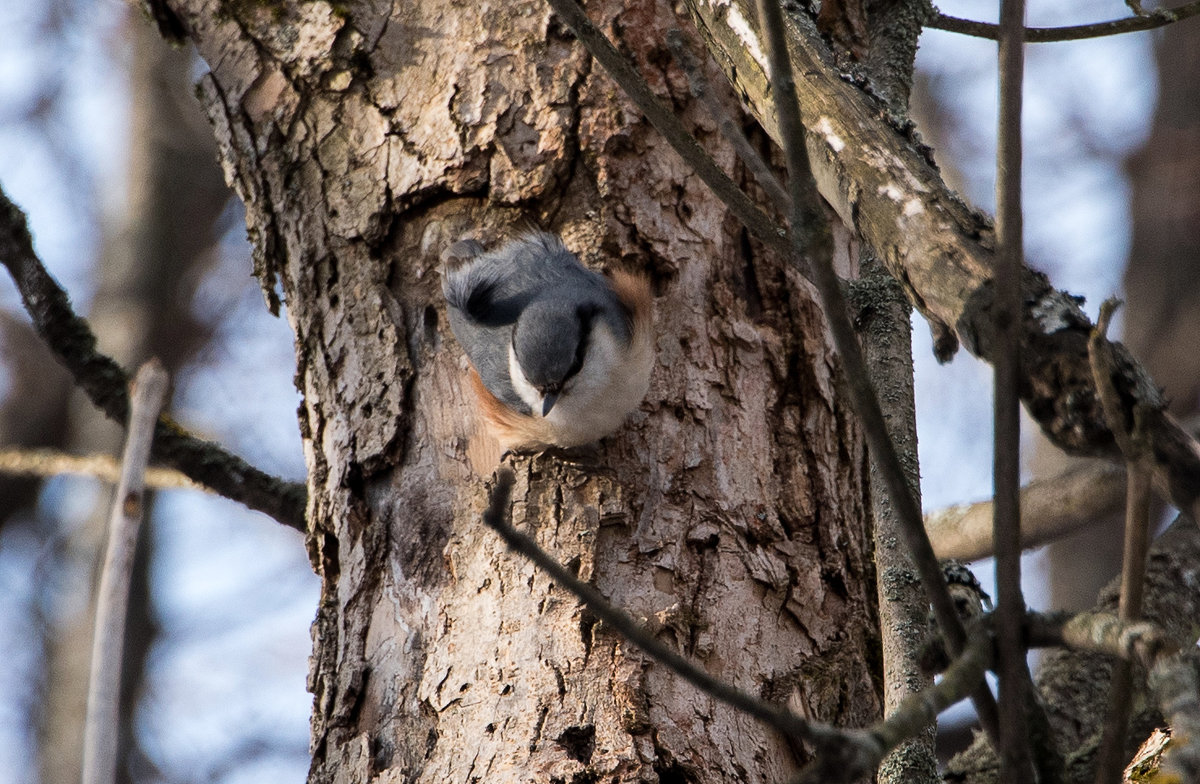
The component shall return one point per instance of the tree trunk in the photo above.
(728, 514)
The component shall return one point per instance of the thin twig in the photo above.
(813, 242)
(844, 744)
(809, 226)
(1135, 443)
(103, 705)
(1103, 364)
(1016, 762)
(1112, 757)
(624, 74)
(72, 341)
(106, 468)
(700, 88)
(1040, 35)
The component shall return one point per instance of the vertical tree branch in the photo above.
(882, 317)
(1136, 446)
(811, 236)
(100, 734)
(1015, 760)
(1112, 758)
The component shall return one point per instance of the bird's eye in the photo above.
(586, 314)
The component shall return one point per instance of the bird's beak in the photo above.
(548, 402)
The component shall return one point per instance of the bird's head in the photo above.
(549, 346)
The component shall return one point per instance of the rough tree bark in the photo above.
(729, 514)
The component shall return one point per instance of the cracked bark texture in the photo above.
(728, 514)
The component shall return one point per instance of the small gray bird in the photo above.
(561, 354)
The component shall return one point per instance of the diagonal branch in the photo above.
(1051, 508)
(105, 383)
(843, 744)
(882, 184)
(840, 755)
(810, 233)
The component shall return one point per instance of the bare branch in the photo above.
(623, 73)
(1136, 447)
(1101, 632)
(1112, 759)
(71, 339)
(811, 236)
(883, 185)
(1040, 35)
(1050, 509)
(881, 315)
(842, 745)
(100, 731)
(106, 468)
(1015, 685)
(842, 755)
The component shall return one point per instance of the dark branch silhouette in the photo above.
(1042, 35)
(106, 384)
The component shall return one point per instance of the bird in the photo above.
(560, 354)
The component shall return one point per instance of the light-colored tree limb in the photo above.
(881, 315)
(1050, 509)
(100, 733)
(880, 180)
(106, 468)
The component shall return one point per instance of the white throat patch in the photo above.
(610, 383)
